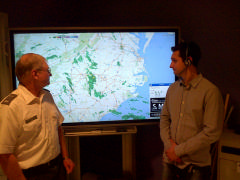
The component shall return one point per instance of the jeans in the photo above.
(191, 172)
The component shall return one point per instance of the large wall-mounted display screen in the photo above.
(104, 75)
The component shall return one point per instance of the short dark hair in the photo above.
(189, 49)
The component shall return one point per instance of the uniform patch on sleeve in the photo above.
(9, 99)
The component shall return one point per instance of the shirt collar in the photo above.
(28, 96)
(193, 83)
(196, 80)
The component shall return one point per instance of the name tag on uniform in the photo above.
(31, 119)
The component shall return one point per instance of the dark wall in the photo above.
(215, 25)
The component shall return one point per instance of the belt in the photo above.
(191, 168)
(49, 164)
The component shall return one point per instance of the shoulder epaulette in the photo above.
(9, 99)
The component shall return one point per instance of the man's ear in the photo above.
(190, 58)
(34, 74)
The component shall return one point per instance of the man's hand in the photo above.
(171, 153)
(69, 165)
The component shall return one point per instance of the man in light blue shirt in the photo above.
(191, 118)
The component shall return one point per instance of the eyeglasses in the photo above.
(47, 70)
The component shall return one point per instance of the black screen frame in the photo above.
(13, 31)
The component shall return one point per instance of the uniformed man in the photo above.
(32, 144)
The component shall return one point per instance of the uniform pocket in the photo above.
(32, 124)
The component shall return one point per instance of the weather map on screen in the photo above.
(104, 76)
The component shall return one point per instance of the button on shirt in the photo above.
(193, 117)
(29, 127)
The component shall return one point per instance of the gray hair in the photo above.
(26, 64)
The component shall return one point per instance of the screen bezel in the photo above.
(97, 124)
